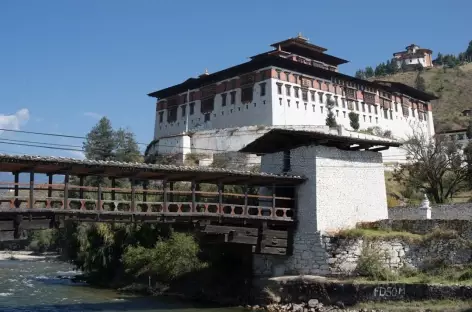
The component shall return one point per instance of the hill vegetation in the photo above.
(450, 80)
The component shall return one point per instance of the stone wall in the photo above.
(445, 211)
(333, 255)
(396, 253)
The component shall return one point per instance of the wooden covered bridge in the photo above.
(38, 192)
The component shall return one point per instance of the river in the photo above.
(36, 286)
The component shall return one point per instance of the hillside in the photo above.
(452, 85)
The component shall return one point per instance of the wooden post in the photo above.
(164, 195)
(99, 196)
(220, 197)
(145, 187)
(272, 214)
(17, 189)
(66, 191)
(245, 200)
(194, 204)
(171, 192)
(31, 191)
(113, 186)
(49, 185)
(81, 190)
(133, 195)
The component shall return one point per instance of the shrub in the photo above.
(392, 202)
(168, 259)
(42, 240)
(371, 265)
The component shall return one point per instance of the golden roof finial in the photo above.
(279, 48)
(206, 71)
(300, 35)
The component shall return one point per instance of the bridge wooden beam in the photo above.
(60, 171)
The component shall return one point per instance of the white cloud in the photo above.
(15, 121)
(93, 115)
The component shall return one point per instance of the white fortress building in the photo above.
(289, 86)
(414, 55)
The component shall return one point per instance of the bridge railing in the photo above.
(163, 202)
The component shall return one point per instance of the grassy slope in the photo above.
(453, 86)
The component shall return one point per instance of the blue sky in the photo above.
(63, 64)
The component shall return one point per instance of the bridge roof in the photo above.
(142, 171)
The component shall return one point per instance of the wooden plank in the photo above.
(275, 234)
(217, 229)
(274, 242)
(273, 251)
(242, 239)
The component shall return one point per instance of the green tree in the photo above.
(354, 120)
(369, 72)
(360, 74)
(330, 119)
(99, 143)
(126, 148)
(440, 59)
(404, 67)
(468, 52)
(420, 83)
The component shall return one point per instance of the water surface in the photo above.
(36, 286)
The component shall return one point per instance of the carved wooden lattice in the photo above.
(369, 98)
(351, 94)
(207, 105)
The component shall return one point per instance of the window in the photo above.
(278, 74)
(287, 76)
(233, 83)
(370, 118)
(357, 106)
(246, 94)
(314, 109)
(364, 117)
(313, 96)
(363, 107)
(337, 113)
(233, 97)
(287, 90)
(385, 114)
(184, 108)
(344, 113)
(263, 75)
(376, 119)
(192, 108)
(184, 98)
(396, 107)
(369, 107)
(376, 112)
(279, 88)
(223, 99)
(288, 103)
(172, 114)
(295, 78)
(192, 96)
(263, 88)
(412, 113)
(287, 165)
(161, 117)
(207, 117)
(391, 114)
(344, 103)
(297, 104)
(297, 95)
(304, 95)
(280, 101)
(320, 95)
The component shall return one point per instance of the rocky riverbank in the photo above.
(313, 305)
